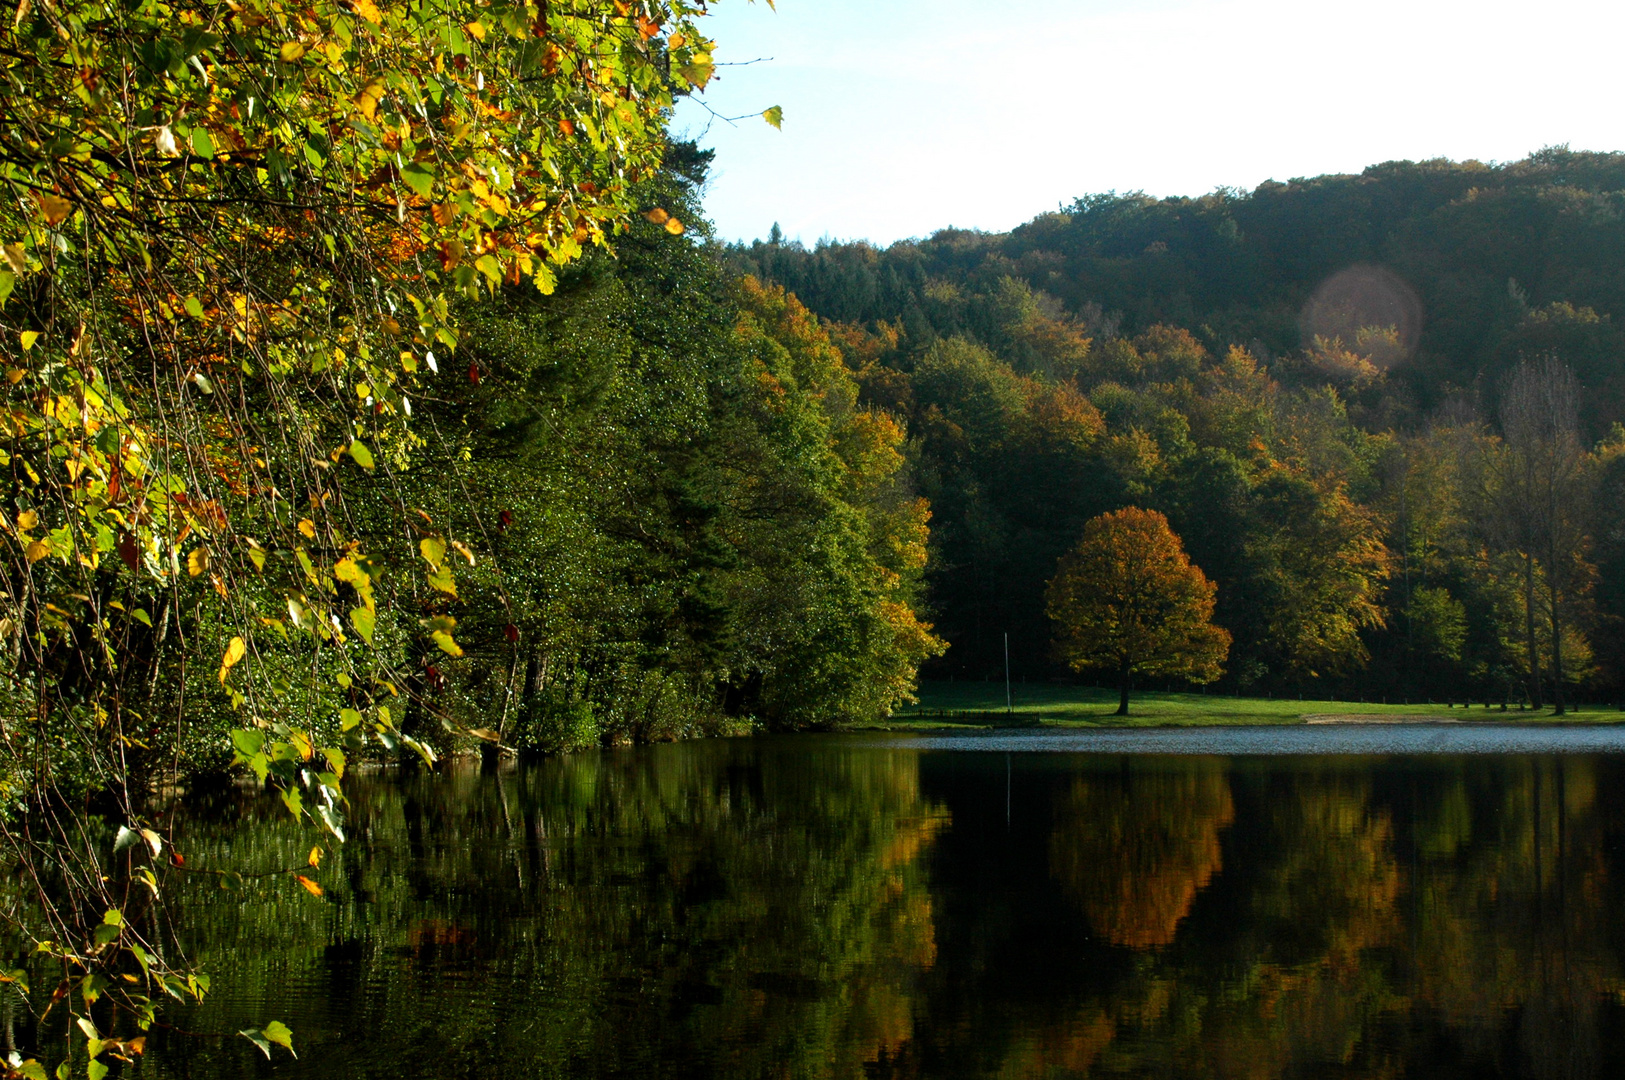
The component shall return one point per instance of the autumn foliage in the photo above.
(1128, 600)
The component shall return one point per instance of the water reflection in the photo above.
(838, 908)
(1135, 847)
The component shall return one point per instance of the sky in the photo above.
(902, 117)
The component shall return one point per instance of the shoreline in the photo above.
(982, 707)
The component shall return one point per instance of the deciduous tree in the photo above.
(1128, 600)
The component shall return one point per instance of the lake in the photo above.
(1444, 901)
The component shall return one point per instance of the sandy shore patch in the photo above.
(1378, 718)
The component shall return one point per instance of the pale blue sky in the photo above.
(904, 116)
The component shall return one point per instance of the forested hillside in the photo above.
(1379, 410)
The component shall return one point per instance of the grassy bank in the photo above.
(982, 704)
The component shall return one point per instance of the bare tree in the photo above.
(1543, 506)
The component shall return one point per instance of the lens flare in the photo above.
(1370, 310)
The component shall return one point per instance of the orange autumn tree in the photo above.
(1128, 600)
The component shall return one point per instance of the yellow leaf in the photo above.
(291, 51)
(55, 208)
(308, 527)
(315, 856)
(36, 551)
(674, 226)
(198, 561)
(15, 375)
(475, 29)
(369, 11)
(368, 98)
(234, 653)
(462, 549)
(27, 520)
(310, 886)
(29, 337)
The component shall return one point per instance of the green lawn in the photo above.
(981, 704)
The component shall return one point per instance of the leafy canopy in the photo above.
(231, 243)
(1127, 599)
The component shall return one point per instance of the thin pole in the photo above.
(1008, 707)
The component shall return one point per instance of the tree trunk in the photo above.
(1529, 629)
(1122, 699)
(1557, 657)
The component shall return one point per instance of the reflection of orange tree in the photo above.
(1134, 850)
(1324, 900)
(1503, 918)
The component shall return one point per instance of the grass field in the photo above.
(982, 704)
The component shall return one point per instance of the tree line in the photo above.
(1378, 411)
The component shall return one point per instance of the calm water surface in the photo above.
(1326, 902)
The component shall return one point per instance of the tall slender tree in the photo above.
(1545, 479)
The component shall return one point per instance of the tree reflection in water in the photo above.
(829, 908)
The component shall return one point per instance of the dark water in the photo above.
(1388, 902)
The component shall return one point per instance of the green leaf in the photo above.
(248, 743)
(96, 1070)
(127, 838)
(774, 116)
(363, 621)
(194, 307)
(203, 145)
(255, 1036)
(32, 1070)
(359, 451)
(433, 549)
(8, 281)
(420, 178)
(441, 579)
(446, 644)
(349, 718)
(278, 1033)
(546, 282)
